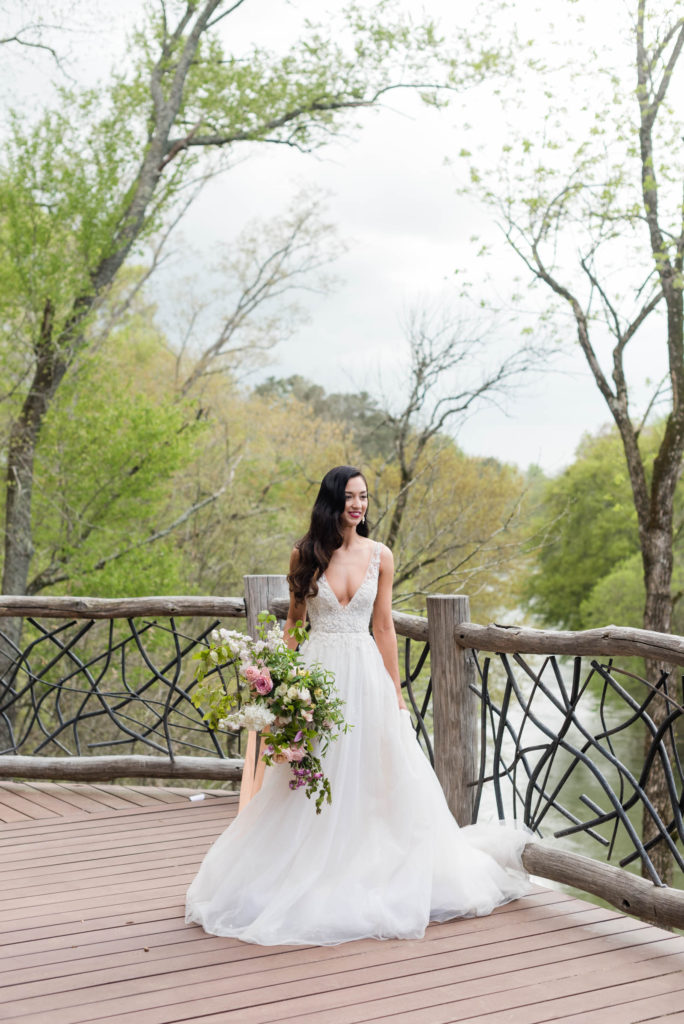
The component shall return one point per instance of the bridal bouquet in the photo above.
(292, 705)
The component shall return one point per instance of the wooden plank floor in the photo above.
(25, 801)
(92, 930)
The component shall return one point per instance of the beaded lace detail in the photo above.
(326, 613)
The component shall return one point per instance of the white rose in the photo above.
(305, 695)
(293, 693)
(257, 717)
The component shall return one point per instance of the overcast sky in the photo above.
(393, 196)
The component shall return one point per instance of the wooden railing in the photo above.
(470, 728)
(540, 738)
(142, 690)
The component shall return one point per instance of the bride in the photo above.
(386, 857)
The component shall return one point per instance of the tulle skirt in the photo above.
(383, 860)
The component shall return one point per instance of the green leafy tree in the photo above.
(135, 408)
(460, 521)
(619, 596)
(112, 446)
(460, 527)
(448, 378)
(361, 412)
(87, 185)
(272, 452)
(597, 221)
(584, 526)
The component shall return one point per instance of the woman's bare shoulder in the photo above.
(295, 556)
(386, 557)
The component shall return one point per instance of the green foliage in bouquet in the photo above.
(294, 706)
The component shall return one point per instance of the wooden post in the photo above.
(454, 703)
(259, 592)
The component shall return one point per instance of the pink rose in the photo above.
(295, 753)
(251, 673)
(263, 683)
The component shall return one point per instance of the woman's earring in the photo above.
(364, 518)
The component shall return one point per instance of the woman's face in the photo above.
(355, 501)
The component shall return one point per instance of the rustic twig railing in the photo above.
(113, 673)
(109, 675)
(63, 688)
(609, 641)
(543, 744)
(549, 727)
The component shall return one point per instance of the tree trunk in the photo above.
(398, 512)
(657, 558)
(49, 371)
(53, 356)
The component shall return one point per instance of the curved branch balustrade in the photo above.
(558, 740)
(419, 704)
(105, 679)
(542, 762)
(98, 681)
(117, 674)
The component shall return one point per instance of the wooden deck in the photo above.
(93, 879)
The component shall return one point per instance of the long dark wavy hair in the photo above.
(324, 535)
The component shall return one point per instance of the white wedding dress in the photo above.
(386, 857)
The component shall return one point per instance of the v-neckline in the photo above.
(365, 577)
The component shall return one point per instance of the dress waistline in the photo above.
(339, 634)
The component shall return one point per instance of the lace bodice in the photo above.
(326, 613)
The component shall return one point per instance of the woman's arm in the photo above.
(383, 625)
(297, 610)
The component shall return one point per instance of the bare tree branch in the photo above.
(262, 132)
(277, 259)
(17, 38)
(51, 576)
(441, 346)
(229, 10)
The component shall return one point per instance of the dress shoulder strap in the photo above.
(375, 557)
